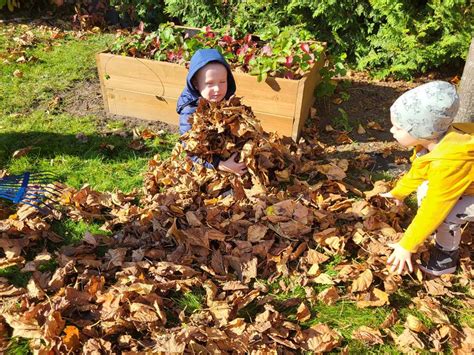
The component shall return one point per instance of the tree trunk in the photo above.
(466, 89)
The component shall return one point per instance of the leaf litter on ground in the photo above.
(286, 219)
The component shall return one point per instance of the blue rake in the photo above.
(39, 190)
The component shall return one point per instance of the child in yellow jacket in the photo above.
(442, 172)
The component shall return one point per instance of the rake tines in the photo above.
(38, 190)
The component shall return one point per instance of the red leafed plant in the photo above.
(285, 55)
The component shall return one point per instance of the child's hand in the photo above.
(231, 166)
(390, 196)
(399, 257)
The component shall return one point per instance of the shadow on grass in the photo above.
(108, 147)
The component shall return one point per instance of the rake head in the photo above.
(39, 190)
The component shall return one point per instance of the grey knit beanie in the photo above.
(427, 110)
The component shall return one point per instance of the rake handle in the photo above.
(22, 189)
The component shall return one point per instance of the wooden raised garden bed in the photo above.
(149, 89)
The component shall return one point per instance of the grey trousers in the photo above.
(448, 233)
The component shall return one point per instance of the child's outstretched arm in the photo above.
(445, 186)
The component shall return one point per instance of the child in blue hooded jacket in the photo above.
(210, 78)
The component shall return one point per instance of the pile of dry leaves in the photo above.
(282, 224)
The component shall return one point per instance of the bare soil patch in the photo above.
(85, 98)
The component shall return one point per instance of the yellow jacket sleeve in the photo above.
(408, 183)
(446, 183)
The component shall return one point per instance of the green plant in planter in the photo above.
(289, 54)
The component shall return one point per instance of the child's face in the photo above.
(211, 82)
(402, 136)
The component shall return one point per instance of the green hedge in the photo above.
(400, 38)
(387, 37)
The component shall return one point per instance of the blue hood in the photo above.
(202, 57)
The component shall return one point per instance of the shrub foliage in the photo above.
(388, 37)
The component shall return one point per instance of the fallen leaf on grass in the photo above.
(432, 309)
(413, 323)
(18, 73)
(408, 340)
(329, 296)
(367, 335)
(136, 145)
(390, 320)
(375, 298)
(361, 129)
(319, 338)
(303, 313)
(363, 282)
(21, 152)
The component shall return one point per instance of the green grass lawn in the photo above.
(104, 162)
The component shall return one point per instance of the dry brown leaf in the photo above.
(18, 73)
(375, 125)
(362, 282)
(315, 257)
(318, 338)
(303, 313)
(432, 309)
(23, 327)
(367, 335)
(332, 171)
(329, 296)
(391, 319)
(467, 345)
(256, 233)
(323, 279)
(21, 152)
(413, 323)
(408, 341)
(53, 326)
(380, 186)
(376, 298)
(71, 338)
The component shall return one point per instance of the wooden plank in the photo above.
(305, 98)
(145, 86)
(138, 68)
(148, 107)
(273, 123)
